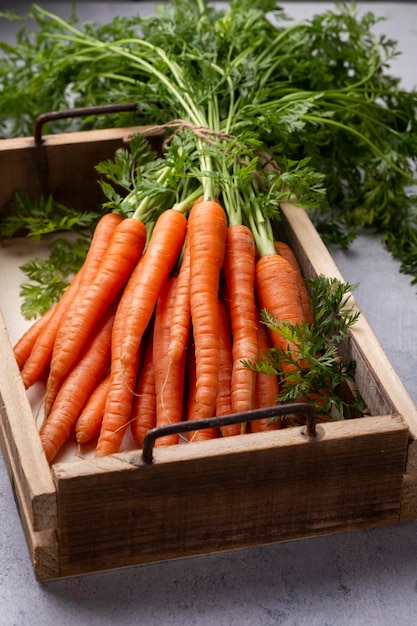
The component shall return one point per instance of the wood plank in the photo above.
(376, 379)
(21, 443)
(230, 493)
(42, 544)
(408, 510)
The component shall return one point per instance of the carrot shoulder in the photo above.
(207, 232)
(277, 291)
(102, 236)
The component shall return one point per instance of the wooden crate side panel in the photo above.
(21, 444)
(76, 163)
(408, 510)
(212, 496)
(64, 165)
(376, 379)
(19, 172)
(42, 544)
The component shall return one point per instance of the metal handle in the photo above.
(105, 109)
(226, 420)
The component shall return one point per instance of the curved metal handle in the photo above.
(105, 109)
(226, 420)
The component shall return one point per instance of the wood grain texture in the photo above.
(64, 165)
(376, 379)
(33, 488)
(219, 495)
(20, 443)
(408, 509)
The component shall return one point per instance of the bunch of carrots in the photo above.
(156, 326)
(162, 320)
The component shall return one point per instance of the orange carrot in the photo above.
(44, 343)
(24, 346)
(277, 291)
(38, 361)
(169, 377)
(144, 402)
(181, 315)
(101, 238)
(319, 398)
(191, 410)
(224, 396)
(119, 400)
(144, 286)
(239, 271)
(122, 254)
(77, 388)
(133, 315)
(88, 424)
(285, 251)
(192, 407)
(207, 232)
(266, 388)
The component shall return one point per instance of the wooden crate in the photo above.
(90, 515)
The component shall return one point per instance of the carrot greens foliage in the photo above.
(43, 216)
(315, 362)
(249, 110)
(264, 110)
(44, 219)
(49, 277)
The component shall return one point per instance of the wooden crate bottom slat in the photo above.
(42, 544)
(21, 443)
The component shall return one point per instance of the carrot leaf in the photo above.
(313, 370)
(49, 277)
(42, 216)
